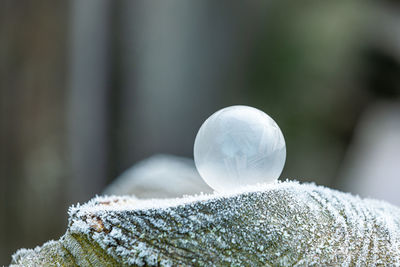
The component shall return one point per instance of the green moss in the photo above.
(93, 253)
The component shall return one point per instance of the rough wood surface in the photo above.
(285, 224)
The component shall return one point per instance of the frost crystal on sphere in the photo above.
(239, 146)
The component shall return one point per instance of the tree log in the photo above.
(285, 224)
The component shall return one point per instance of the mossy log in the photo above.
(284, 224)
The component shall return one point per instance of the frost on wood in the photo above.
(283, 224)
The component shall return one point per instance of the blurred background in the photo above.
(89, 88)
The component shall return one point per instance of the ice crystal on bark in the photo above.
(282, 224)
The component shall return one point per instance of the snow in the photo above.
(281, 223)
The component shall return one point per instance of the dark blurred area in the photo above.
(88, 88)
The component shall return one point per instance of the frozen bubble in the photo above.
(239, 146)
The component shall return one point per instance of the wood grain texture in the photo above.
(286, 224)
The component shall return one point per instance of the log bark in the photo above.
(285, 224)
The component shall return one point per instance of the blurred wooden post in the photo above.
(32, 170)
(87, 96)
(180, 63)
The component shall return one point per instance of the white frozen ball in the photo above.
(239, 146)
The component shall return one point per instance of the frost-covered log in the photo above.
(284, 224)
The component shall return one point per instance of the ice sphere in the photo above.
(239, 146)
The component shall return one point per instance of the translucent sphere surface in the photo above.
(238, 146)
